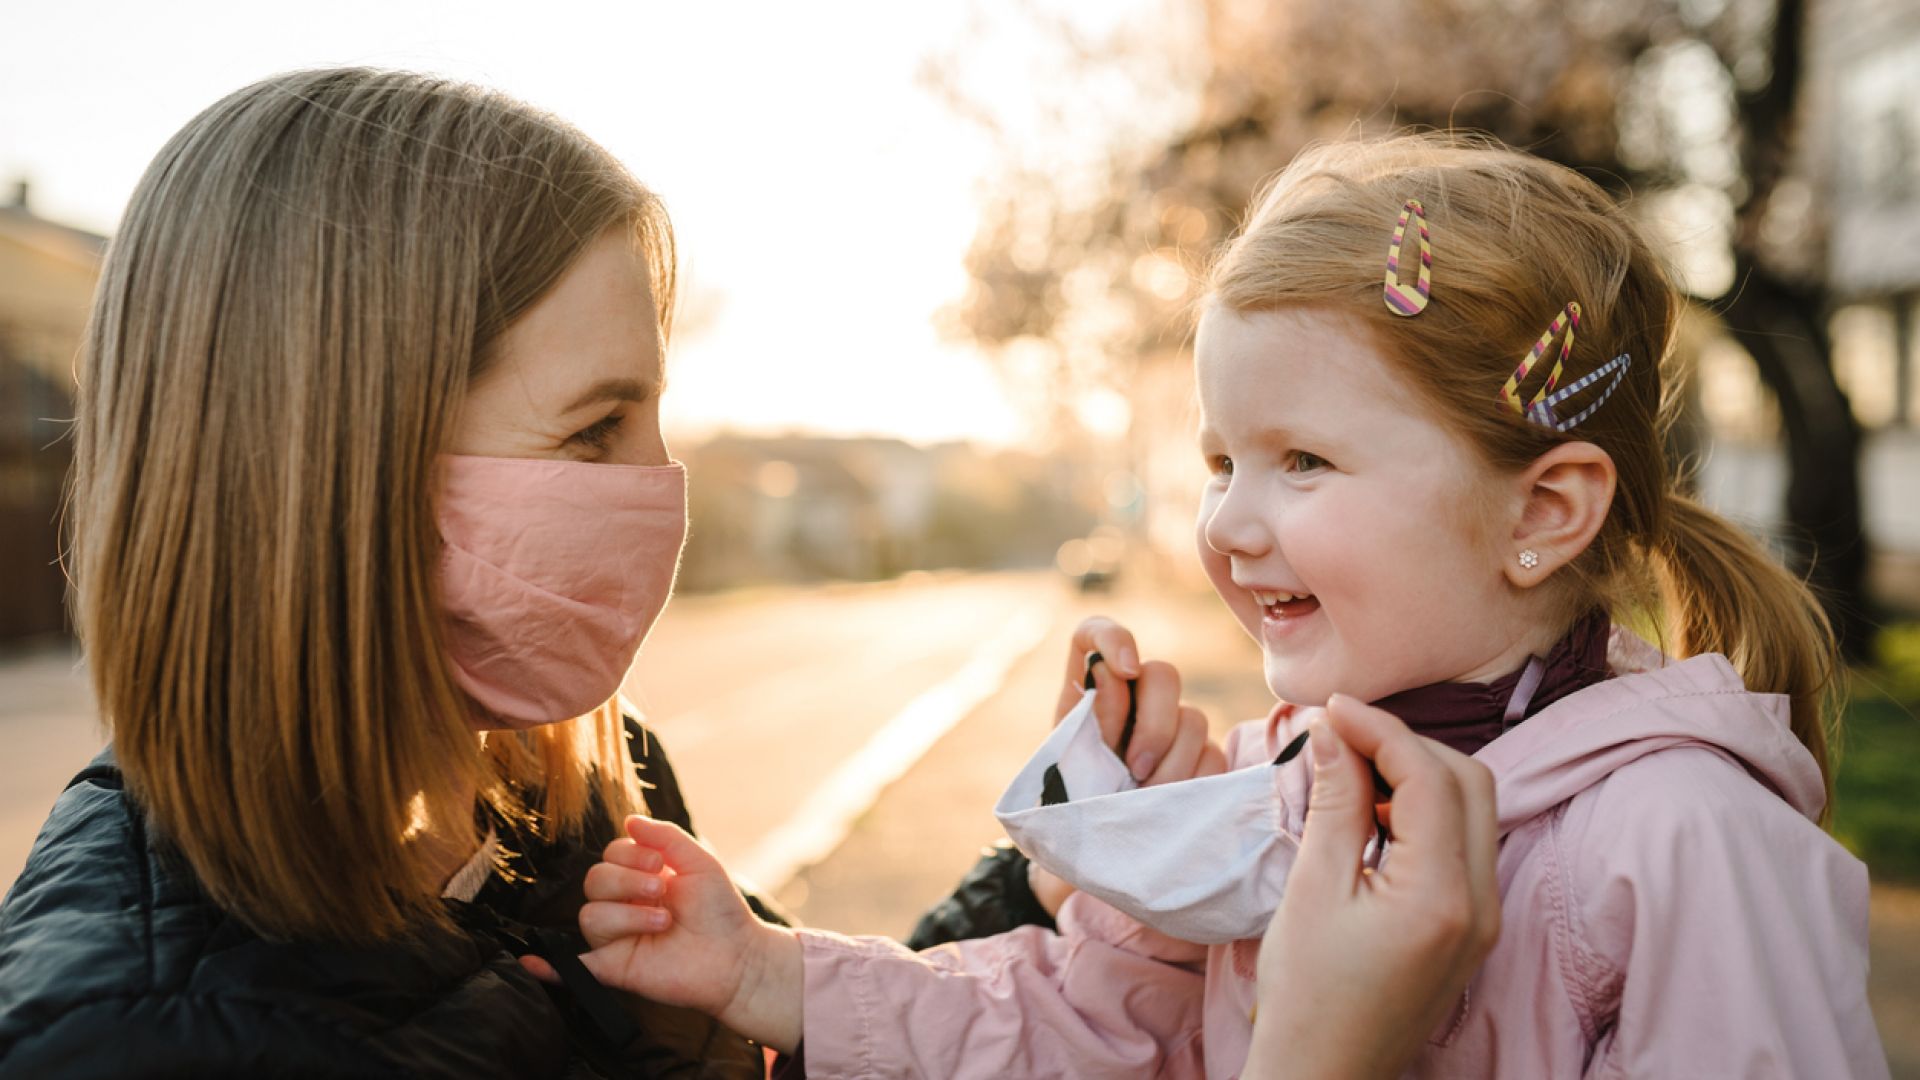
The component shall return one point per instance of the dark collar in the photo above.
(1468, 716)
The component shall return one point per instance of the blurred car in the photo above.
(1093, 561)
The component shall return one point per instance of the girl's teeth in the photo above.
(1267, 599)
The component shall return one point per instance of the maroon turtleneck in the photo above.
(1468, 716)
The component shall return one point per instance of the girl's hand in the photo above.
(1359, 967)
(664, 921)
(1169, 739)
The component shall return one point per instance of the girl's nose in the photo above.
(1235, 525)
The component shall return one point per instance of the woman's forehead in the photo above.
(596, 332)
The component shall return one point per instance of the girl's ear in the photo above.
(1564, 497)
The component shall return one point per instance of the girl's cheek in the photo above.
(1220, 573)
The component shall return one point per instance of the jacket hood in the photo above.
(1652, 703)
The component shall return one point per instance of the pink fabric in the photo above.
(1104, 997)
(551, 576)
(1669, 908)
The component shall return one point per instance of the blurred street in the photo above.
(785, 712)
(765, 697)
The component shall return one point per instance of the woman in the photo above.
(371, 512)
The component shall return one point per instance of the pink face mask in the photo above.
(552, 574)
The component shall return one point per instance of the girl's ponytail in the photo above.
(1725, 594)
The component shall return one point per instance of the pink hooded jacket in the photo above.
(1669, 906)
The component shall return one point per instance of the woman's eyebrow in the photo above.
(612, 390)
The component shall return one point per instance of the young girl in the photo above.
(1430, 381)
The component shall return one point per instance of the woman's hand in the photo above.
(1359, 967)
(1169, 740)
(664, 921)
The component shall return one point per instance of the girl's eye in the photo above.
(1305, 462)
(599, 435)
(1220, 465)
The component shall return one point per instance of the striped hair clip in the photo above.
(1568, 320)
(1542, 409)
(1399, 300)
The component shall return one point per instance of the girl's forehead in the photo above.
(1293, 365)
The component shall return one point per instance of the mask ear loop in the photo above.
(1053, 786)
(1381, 789)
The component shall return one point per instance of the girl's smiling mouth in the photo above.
(1279, 611)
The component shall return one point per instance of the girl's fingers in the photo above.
(1156, 718)
(1112, 641)
(1213, 761)
(682, 852)
(607, 881)
(1182, 759)
(603, 921)
(1111, 703)
(625, 852)
(1117, 651)
(540, 969)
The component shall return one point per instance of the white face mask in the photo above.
(1202, 860)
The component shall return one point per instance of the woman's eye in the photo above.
(599, 435)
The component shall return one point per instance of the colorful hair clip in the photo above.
(1568, 320)
(1541, 412)
(1399, 301)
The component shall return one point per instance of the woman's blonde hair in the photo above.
(307, 279)
(1514, 239)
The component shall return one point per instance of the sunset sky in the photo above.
(823, 197)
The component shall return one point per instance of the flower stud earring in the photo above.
(1529, 559)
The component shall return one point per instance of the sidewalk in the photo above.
(925, 831)
(51, 729)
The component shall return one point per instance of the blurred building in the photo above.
(47, 275)
(801, 508)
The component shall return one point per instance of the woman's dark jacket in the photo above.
(114, 963)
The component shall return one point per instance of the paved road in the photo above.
(759, 698)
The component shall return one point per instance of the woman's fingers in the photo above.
(1445, 828)
(540, 969)
(1483, 843)
(1428, 805)
(1339, 821)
